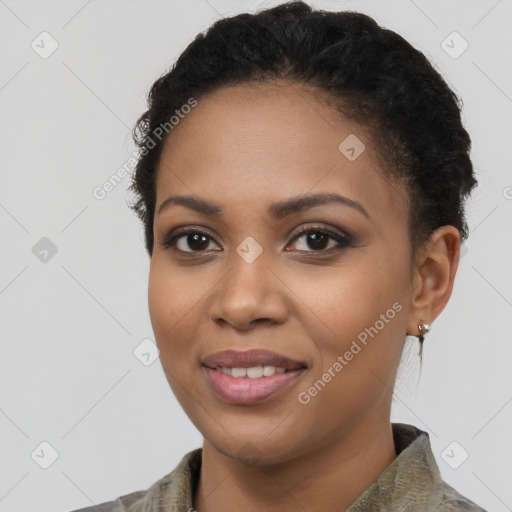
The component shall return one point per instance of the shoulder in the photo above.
(452, 501)
(416, 477)
(127, 503)
(175, 487)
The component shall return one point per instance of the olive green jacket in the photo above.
(412, 482)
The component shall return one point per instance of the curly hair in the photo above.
(369, 74)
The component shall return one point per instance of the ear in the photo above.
(433, 277)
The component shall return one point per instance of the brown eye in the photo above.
(188, 241)
(194, 241)
(317, 240)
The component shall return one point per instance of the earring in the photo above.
(424, 329)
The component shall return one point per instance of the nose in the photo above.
(249, 293)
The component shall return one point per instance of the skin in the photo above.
(245, 148)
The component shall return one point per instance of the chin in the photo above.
(264, 450)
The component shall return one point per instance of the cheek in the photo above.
(355, 296)
(171, 300)
(358, 315)
(174, 306)
(357, 347)
(174, 291)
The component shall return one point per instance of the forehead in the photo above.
(259, 144)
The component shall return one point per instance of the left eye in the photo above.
(317, 238)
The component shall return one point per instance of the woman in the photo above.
(301, 181)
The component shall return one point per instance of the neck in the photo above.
(329, 478)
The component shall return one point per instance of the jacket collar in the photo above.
(411, 482)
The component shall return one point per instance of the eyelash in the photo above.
(342, 240)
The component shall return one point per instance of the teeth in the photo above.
(254, 372)
(268, 371)
(239, 372)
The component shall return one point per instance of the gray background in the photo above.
(69, 325)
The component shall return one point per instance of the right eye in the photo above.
(195, 240)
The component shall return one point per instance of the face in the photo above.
(323, 283)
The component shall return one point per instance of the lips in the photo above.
(250, 358)
(250, 389)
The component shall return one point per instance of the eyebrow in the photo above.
(276, 211)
